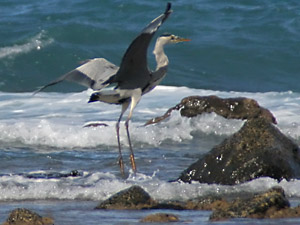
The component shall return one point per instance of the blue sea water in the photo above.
(239, 48)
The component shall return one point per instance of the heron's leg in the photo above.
(135, 98)
(121, 163)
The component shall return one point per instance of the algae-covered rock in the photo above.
(209, 202)
(23, 216)
(258, 206)
(160, 218)
(258, 149)
(269, 204)
(132, 198)
(230, 108)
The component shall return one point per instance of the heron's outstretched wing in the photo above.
(92, 74)
(133, 72)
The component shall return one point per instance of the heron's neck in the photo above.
(160, 56)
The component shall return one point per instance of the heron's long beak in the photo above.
(180, 39)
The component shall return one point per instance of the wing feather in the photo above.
(94, 74)
(134, 72)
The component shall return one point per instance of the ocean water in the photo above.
(238, 49)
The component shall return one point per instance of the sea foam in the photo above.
(57, 120)
(35, 43)
(99, 186)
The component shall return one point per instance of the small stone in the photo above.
(160, 218)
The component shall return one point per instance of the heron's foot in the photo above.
(132, 161)
(121, 164)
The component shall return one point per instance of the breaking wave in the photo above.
(35, 43)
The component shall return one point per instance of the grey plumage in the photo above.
(93, 74)
(132, 79)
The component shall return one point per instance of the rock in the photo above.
(23, 216)
(230, 108)
(95, 124)
(132, 198)
(270, 204)
(259, 206)
(258, 149)
(53, 175)
(136, 198)
(272, 213)
(172, 205)
(160, 218)
(206, 203)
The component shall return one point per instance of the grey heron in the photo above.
(132, 79)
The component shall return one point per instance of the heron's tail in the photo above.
(94, 97)
(107, 96)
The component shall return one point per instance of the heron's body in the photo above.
(132, 79)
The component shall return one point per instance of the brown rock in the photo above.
(23, 216)
(273, 213)
(132, 198)
(258, 149)
(260, 206)
(160, 218)
(269, 204)
(230, 108)
(206, 203)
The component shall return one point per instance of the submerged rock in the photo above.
(23, 216)
(263, 205)
(132, 198)
(230, 108)
(258, 149)
(160, 218)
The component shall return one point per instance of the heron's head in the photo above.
(171, 39)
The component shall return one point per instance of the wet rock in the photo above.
(95, 124)
(136, 198)
(258, 149)
(53, 175)
(230, 108)
(132, 198)
(260, 206)
(23, 216)
(172, 205)
(273, 213)
(206, 203)
(270, 204)
(160, 218)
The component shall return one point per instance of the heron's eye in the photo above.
(172, 37)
